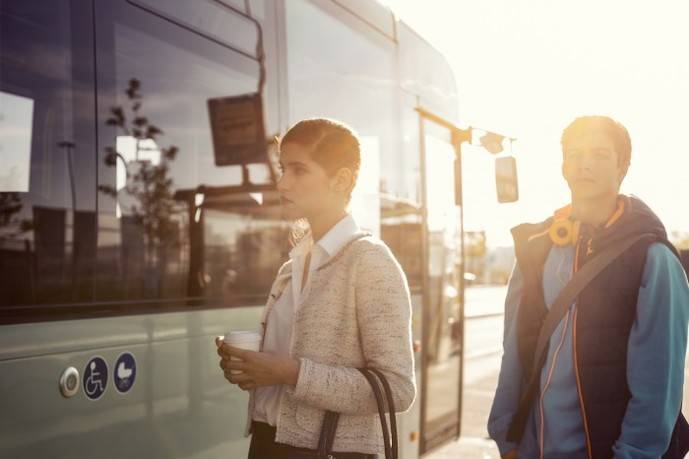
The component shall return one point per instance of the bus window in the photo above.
(47, 144)
(172, 224)
(401, 229)
(210, 19)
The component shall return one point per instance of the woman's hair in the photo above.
(331, 144)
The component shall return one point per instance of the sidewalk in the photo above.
(467, 448)
(480, 382)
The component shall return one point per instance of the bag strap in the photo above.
(391, 411)
(381, 410)
(569, 293)
(327, 437)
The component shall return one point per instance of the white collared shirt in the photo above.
(280, 320)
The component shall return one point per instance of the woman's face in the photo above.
(305, 188)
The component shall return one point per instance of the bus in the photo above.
(139, 217)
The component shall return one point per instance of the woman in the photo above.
(340, 303)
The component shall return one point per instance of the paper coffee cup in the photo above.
(249, 340)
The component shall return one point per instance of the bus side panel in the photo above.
(180, 405)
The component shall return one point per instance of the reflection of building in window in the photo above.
(135, 150)
(16, 117)
(135, 155)
(237, 245)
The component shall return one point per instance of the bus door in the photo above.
(442, 313)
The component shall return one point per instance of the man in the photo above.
(611, 381)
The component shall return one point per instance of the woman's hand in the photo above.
(257, 368)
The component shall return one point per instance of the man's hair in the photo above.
(613, 129)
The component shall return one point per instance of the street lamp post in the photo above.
(492, 142)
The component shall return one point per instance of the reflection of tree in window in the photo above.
(10, 225)
(146, 194)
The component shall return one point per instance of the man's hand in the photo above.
(257, 368)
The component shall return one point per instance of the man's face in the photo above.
(591, 166)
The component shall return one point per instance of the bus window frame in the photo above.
(143, 6)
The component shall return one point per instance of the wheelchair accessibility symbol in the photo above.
(95, 378)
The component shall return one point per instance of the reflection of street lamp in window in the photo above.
(69, 146)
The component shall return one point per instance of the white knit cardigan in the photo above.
(357, 314)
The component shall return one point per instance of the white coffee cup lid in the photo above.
(242, 332)
(243, 336)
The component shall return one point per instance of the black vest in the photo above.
(605, 313)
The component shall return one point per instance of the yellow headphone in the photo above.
(564, 231)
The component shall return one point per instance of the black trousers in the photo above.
(263, 445)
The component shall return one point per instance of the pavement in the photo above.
(481, 380)
(483, 340)
(466, 448)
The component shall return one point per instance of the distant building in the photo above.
(498, 265)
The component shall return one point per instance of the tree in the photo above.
(149, 185)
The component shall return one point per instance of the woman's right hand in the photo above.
(256, 368)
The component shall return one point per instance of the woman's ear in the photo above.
(343, 180)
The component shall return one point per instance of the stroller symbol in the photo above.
(125, 372)
(95, 378)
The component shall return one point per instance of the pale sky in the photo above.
(527, 68)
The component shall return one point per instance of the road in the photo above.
(483, 342)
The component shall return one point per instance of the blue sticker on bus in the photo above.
(125, 372)
(95, 378)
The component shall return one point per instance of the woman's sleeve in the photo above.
(383, 309)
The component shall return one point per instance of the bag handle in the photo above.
(391, 411)
(381, 409)
(327, 437)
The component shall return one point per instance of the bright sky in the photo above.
(527, 68)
